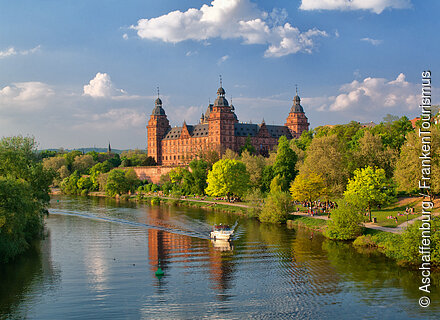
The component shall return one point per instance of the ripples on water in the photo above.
(99, 260)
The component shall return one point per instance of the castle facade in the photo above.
(218, 130)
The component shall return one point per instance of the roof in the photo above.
(199, 130)
(245, 129)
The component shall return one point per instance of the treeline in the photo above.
(24, 195)
(78, 173)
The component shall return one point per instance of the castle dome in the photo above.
(296, 107)
(158, 110)
(221, 100)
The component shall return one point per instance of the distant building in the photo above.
(370, 124)
(413, 121)
(218, 130)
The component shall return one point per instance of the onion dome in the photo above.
(158, 110)
(221, 100)
(296, 107)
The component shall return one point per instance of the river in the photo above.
(99, 257)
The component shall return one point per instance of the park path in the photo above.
(399, 229)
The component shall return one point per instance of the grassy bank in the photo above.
(310, 223)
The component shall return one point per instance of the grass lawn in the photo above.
(394, 210)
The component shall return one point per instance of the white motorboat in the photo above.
(221, 232)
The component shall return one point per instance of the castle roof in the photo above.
(158, 110)
(199, 130)
(249, 129)
(296, 107)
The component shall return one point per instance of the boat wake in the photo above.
(190, 233)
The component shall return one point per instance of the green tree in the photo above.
(369, 187)
(227, 177)
(116, 183)
(345, 223)
(24, 194)
(199, 170)
(248, 146)
(254, 166)
(276, 208)
(285, 163)
(70, 157)
(326, 157)
(83, 163)
(308, 187)
(409, 167)
(70, 184)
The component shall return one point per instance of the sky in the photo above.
(85, 73)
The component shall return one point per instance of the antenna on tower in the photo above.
(296, 88)
(157, 91)
(221, 82)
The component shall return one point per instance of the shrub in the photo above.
(276, 207)
(155, 201)
(345, 223)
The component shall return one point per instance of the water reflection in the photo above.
(268, 271)
(31, 274)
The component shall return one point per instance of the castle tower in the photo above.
(157, 127)
(221, 124)
(297, 121)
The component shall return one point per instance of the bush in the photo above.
(276, 207)
(345, 223)
(155, 201)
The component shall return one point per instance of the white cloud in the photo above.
(376, 6)
(13, 52)
(125, 36)
(222, 59)
(8, 52)
(230, 19)
(370, 96)
(102, 87)
(121, 118)
(25, 95)
(191, 53)
(374, 42)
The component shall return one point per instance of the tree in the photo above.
(371, 152)
(345, 223)
(254, 166)
(308, 187)
(325, 157)
(369, 187)
(83, 163)
(285, 163)
(120, 181)
(393, 134)
(276, 208)
(389, 118)
(248, 146)
(227, 177)
(199, 170)
(409, 167)
(70, 157)
(230, 154)
(24, 195)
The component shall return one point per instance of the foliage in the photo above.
(345, 223)
(48, 154)
(266, 178)
(199, 170)
(369, 187)
(120, 181)
(70, 158)
(70, 184)
(230, 154)
(371, 152)
(254, 166)
(83, 163)
(308, 187)
(210, 156)
(255, 198)
(24, 195)
(248, 146)
(285, 163)
(325, 157)
(136, 158)
(227, 177)
(276, 208)
(409, 166)
(393, 134)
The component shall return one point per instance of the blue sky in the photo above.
(82, 73)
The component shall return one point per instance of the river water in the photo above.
(99, 258)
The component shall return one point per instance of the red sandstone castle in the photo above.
(218, 130)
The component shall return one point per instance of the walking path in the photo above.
(399, 229)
